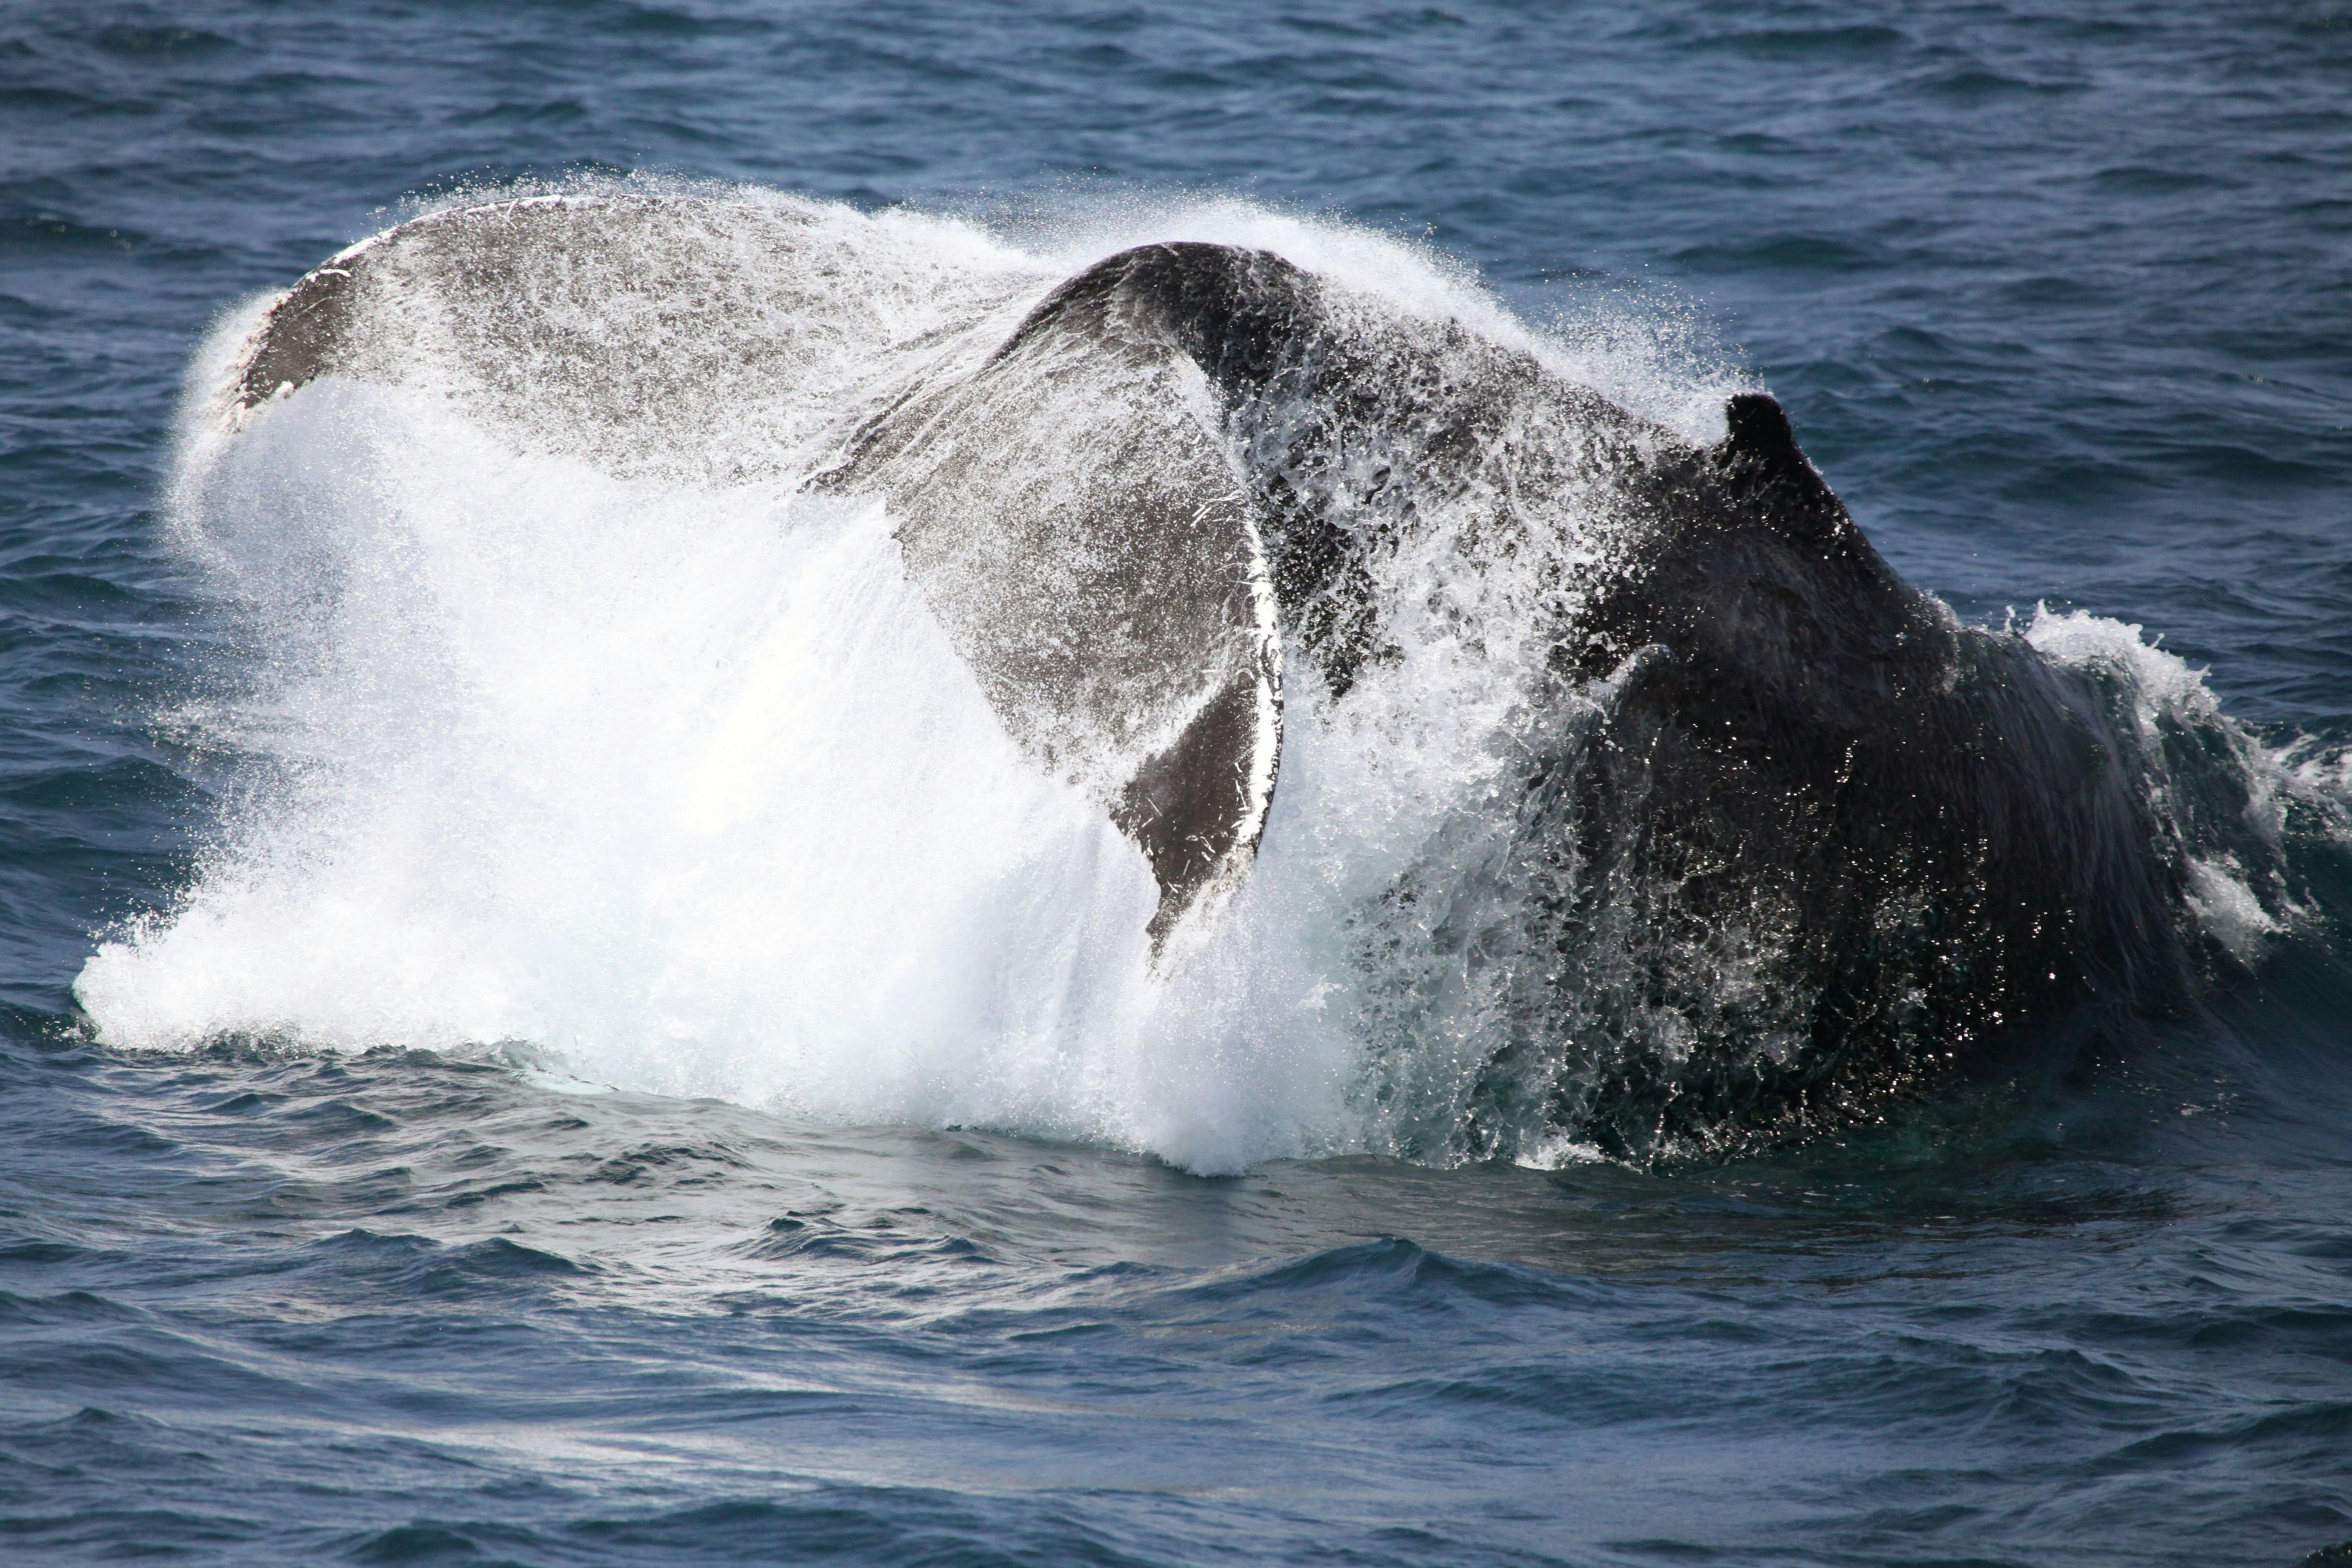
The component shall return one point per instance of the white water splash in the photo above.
(575, 725)
(648, 758)
(2164, 689)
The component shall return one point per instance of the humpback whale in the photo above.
(1194, 489)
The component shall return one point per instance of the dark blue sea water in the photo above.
(2059, 297)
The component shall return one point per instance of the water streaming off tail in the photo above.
(577, 720)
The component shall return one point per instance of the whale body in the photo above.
(1195, 489)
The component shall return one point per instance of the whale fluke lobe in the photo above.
(1634, 773)
(305, 330)
(1072, 517)
(1197, 807)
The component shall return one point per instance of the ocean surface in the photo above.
(420, 1149)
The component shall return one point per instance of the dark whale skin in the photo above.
(1946, 837)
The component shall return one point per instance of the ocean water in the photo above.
(531, 1035)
